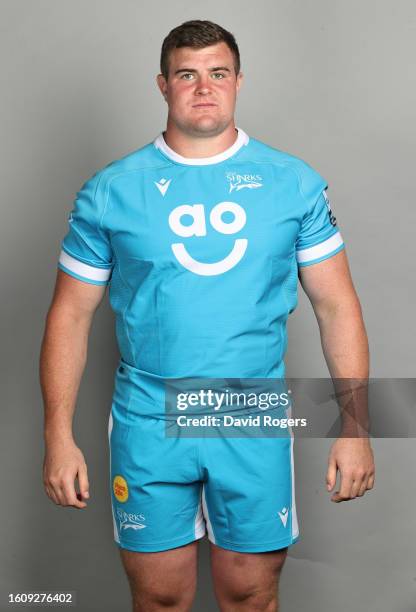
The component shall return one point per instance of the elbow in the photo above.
(340, 309)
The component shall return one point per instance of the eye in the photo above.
(218, 74)
(186, 74)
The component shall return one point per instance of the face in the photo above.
(201, 89)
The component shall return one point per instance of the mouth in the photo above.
(206, 105)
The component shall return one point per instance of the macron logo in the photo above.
(283, 516)
(163, 185)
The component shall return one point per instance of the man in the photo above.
(201, 235)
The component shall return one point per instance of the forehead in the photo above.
(214, 55)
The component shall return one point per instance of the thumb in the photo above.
(331, 475)
(83, 481)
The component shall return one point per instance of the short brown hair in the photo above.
(197, 34)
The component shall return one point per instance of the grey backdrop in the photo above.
(329, 81)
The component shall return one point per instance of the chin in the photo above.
(209, 125)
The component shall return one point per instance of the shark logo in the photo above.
(198, 228)
(130, 520)
(240, 181)
(284, 513)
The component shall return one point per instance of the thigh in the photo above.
(160, 579)
(241, 576)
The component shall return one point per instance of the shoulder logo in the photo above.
(240, 181)
(331, 215)
(163, 185)
(284, 513)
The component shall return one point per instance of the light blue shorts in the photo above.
(170, 491)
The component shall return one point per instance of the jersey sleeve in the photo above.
(86, 252)
(319, 237)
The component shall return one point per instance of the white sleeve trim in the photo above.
(91, 272)
(319, 250)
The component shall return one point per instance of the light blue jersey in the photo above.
(201, 257)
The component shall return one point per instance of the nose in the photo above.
(202, 86)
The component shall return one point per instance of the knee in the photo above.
(146, 604)
(149, 599)
(250, 582)
(157, 593)
(255, 599)
(257, 593)
(162, 579)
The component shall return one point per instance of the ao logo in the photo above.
(198, 228)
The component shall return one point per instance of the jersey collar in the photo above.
(242, 139)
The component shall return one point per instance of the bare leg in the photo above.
(162, 580)
(246, 581)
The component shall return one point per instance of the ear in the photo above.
(239, 81)
(161, 83)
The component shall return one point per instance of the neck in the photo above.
(196, 145)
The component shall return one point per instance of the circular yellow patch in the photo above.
(120, 488)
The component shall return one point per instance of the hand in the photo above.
(63, 463)
(355, 461)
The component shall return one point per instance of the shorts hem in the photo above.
(251, 547)
(159, 546)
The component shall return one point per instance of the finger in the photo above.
(83, 482)
(331, 475)
(55, 491)
(371, 481)
(345, 489)
(58, 494)
(52, 495)
(70, 494)
(363, 487)
(356, 486)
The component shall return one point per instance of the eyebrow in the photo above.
(215, 69)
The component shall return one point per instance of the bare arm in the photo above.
(62, 362)
(330, 289)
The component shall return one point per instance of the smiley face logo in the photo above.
(198, 228)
